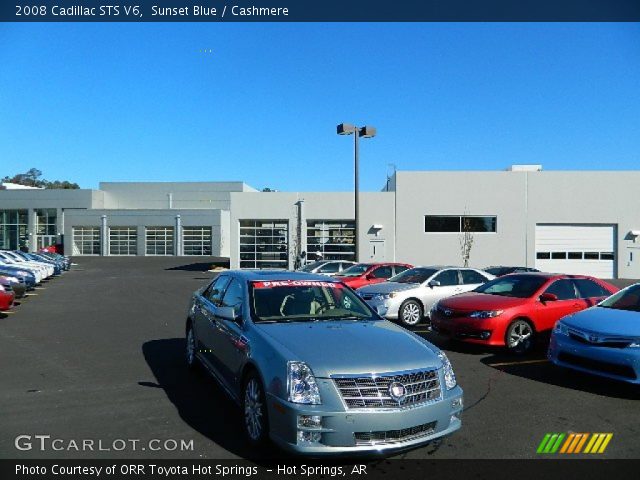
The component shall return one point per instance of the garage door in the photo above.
(576, 249)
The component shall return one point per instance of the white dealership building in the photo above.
(562, 221)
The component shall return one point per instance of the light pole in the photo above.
(366, 132)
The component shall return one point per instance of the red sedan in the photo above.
(511, 310)
(6, 299)
(362, 274)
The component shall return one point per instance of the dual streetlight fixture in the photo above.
(366, 132)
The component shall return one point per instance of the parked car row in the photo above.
(21, 272)
(319, 365)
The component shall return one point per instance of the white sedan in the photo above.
(409, 296)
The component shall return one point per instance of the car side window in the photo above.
(472, 277)
(400, 269)
(216, 289)
(590, 289)
(234, 295)
(447, 278)
(382, 272)
(563, 289)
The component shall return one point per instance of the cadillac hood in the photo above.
(348, 347)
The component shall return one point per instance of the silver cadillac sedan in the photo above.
(409, 296)
(316, 370)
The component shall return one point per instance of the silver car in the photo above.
(409, 296)
(327, 267)
(315, 370)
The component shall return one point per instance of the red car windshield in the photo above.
(518, 286)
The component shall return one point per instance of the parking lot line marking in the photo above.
(525, 362)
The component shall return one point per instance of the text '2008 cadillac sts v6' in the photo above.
(315, 369)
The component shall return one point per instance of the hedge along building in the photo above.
(573, 222)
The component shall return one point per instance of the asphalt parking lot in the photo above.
(98, 354)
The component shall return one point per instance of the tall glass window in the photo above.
(333, 239)
(14, 229)
(86, 240)
(46, 221)
(159, 240)
(123, 241)
(196, 240)
(264, 244)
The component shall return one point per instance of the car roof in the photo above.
(445, 267)
(276, 275)
(549, 275)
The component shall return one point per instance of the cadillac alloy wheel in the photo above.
(255, 413)
(190, 352)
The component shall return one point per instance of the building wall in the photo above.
(146, 218)
(376, 208)
(458, 193)
(606, 198)
(520, 200)
(170, 195)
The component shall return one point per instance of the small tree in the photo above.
(466, 240)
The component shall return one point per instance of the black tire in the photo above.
(410, 313)
(190, 348)
(520, 337)
(254, 411)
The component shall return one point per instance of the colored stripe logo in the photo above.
(571, 443)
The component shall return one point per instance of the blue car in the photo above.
(317, 371)
(28, 277)
(603, 340)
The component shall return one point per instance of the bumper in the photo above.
(407, 428)
(19, 290)
(488, 331)
(385, 308)
(6, 301)
(615, 363)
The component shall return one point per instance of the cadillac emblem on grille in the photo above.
(397, 391)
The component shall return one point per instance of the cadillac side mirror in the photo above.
(434, 283)
(369, 276)
(548, 297)
(228, 313)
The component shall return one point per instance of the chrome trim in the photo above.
(422, 431)
(384, 396)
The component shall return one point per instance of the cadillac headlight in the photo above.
(449, 376)
(302, 384)
(560, 329)
(485, 313)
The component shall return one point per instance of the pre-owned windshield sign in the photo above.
(296, 283)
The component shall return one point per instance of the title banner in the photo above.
(319, 11)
